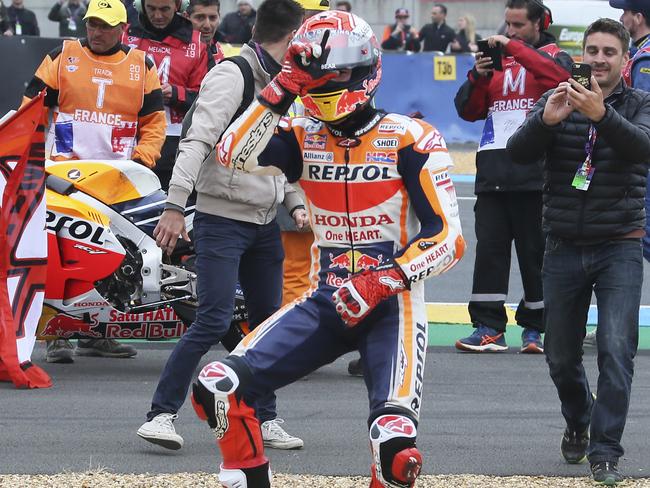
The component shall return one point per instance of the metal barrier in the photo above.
(428, 83)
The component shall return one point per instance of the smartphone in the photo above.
(494, 53)
(581, 72)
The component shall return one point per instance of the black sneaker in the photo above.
(606, 473)
(355, 368)
(59, 351)
(105, 348)
(574, 445)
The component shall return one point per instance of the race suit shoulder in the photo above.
(382, 196)
(637, 71)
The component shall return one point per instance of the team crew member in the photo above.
(636, 19)
(106, 103)
(235, 231)
(509, 195)
(385, 217)
(205, 18)
(182, 61)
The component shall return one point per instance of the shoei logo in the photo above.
(385, 143)
(74, 174)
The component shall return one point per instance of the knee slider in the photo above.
(397, 462)
(210, 394)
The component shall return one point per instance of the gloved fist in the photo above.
(362, 292)
(301, 72)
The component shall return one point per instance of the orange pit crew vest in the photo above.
(98, 105)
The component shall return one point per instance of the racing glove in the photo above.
(301, 72)
(356, 298)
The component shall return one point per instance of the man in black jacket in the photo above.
(437, 35)
(400, 36)
(69, 14)
(237, 27)
(596, 148)
(22, 21)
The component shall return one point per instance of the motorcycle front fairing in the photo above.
(105, 272)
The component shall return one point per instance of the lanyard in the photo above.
(590, 144)
(585, 172)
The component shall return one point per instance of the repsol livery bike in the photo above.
(106, 278)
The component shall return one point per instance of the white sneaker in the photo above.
(275, 436)
(160, 430)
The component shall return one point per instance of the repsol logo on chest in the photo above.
(339, 172)
(79, 229)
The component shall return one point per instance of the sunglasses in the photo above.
(401, 16)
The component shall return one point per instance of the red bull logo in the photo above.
(66, 326)
(350, 100)
(354, 261)
(315, 141)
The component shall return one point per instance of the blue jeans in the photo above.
(646, 238)
(226, 250)
(614, 270)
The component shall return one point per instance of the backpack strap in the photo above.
(249, 84)
(247, 98)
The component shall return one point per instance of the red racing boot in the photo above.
(406, 467)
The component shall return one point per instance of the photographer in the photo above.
(400, 36)
(509, 196)
(596, 147)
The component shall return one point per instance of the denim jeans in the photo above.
(646, 238)
(614, 270)
(226, 250)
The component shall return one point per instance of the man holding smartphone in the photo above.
(509, 195)
(400, 36)
(594, 219)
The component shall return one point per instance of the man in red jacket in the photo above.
(182, 61)
(205, 16)
(509, 195)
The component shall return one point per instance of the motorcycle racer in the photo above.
(385, 217)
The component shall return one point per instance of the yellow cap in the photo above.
(314, 4)
(112, 12)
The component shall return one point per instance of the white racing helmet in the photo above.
(352, 46)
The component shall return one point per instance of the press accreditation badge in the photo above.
(583, 176)
(585, 173)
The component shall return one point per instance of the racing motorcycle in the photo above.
(106, 278)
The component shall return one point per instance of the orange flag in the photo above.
(23, 243)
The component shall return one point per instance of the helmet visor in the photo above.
(346, 49)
